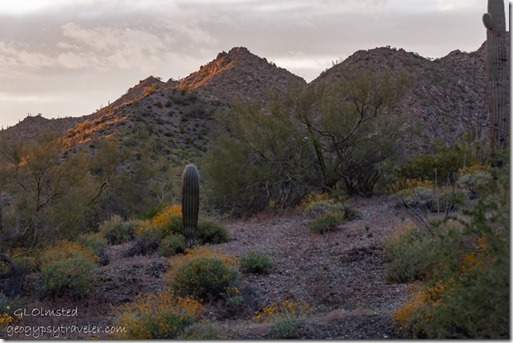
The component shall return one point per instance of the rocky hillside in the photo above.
(31, 126)
(239, 74)
(446, 97)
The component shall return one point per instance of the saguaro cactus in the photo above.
(190, 203)
(497, 69)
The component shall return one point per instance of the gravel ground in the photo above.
(340, 275)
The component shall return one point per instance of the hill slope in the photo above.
(446, 96)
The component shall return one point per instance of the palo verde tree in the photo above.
(48, 193)
(263, 160)
(352, 130)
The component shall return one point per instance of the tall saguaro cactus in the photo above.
(497, 69)
(190, 203)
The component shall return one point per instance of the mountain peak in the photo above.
(238, 73)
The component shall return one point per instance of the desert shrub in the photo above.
(259, 140)
(326, 222)
(469, 288)
(287, 318)
(318, 208)
(167, 216)
(117, 231)
(171, 245)
(25, 263)
(74, 275)
(321, 207)
(67, 268)
(204, 278)
(63, 250)
(211, 232)
(160, 316)
(350, 213)
(97, 244)
(288, 328)
(203, 330)
(442, 166)
(473, 179)
(314, 197)
(256, 262)
(411, 254)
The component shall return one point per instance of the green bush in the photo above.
(160, 316)
(322, 207)
(211, 232)
(326, 222)
(73, 276)
(288, 328)
(204, 278)
(117, 231)
(441, 166)
(202, 331)
(467, 295)
(174, 225)
(172, 245)
(256, 262)
(97, 244)
(411, 255)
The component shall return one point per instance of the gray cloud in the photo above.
(52, 56)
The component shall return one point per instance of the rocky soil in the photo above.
(340, 275)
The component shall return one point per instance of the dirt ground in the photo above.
(340, 275)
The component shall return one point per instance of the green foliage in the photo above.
(171, 245)
(203, 278)
(210, 232)
(256, 262)
(351, 131)
(202, 331)
(318, 208)
(67, 268)
(326, 222)
(469, 288)
(174, 225)
(117, 231)
(305, 140)
(326, 215)
(73, 275)
(269, 159)
(442, 166)
(412, 255)
(159, 316)
(288, 328)
(97, 244)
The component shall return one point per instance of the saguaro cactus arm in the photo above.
(190, 203)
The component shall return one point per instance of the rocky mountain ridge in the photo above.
(446, 97)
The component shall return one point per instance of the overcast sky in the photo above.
(69, 57)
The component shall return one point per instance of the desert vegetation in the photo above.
(305, 213)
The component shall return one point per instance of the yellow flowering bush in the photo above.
(67, 268)
(282, 310)
(63, 250)
(5, 319)
(312, 198)
(168, 220)
(158, 316)
(202, 272)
